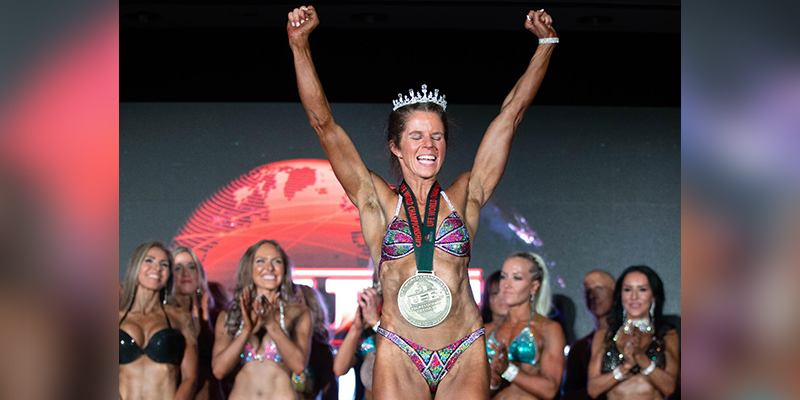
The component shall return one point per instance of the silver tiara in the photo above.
(423, 97)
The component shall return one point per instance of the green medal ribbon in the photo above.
(423, 234)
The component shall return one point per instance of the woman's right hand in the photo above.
(302, 21)
(499, 363)
(250, 317)
(540, 23)
(369, 302)
(629, 354)
(358, 320)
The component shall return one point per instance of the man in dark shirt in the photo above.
(598, 292)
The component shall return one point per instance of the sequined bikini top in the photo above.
(165, 346)
(612, 358)
(270, 349)
(522, 348)
(452, 236)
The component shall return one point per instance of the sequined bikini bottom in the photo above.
(433, 364)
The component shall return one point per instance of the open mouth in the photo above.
(426, 160)
(268, 277)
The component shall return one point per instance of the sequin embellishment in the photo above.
(433, 364)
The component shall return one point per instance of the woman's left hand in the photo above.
(640, 343)
(200, 306)
(204, 307)
(540, 23)
(499, 362)
(270, 313)
(631, 349)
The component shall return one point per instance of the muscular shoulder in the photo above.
(552, 330)
(385, 197)
(545, 323)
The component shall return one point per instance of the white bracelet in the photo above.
(510, 373)
(649, 368)
(548, 40)
(375, 327)
(618, 375)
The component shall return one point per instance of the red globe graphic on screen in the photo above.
(298, 203)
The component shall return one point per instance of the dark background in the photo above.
(612, 53)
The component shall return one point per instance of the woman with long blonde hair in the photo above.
(526, 349)
(264, 334)
(157, 342)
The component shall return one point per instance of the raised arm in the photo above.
(346, 356)
(342, 154)
(363, 187)
(367, 314)
(492, 155)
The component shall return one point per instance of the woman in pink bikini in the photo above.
(431, 336)
(265, 335)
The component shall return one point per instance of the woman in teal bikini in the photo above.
(526, 350)
(430, 320)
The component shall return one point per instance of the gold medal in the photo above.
(424, 300)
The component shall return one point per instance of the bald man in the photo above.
(598, 292)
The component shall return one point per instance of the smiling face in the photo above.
(516, 281)
(154, 269)
(422, 145)
(186, 273)
(268, 267)
(636, 295)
